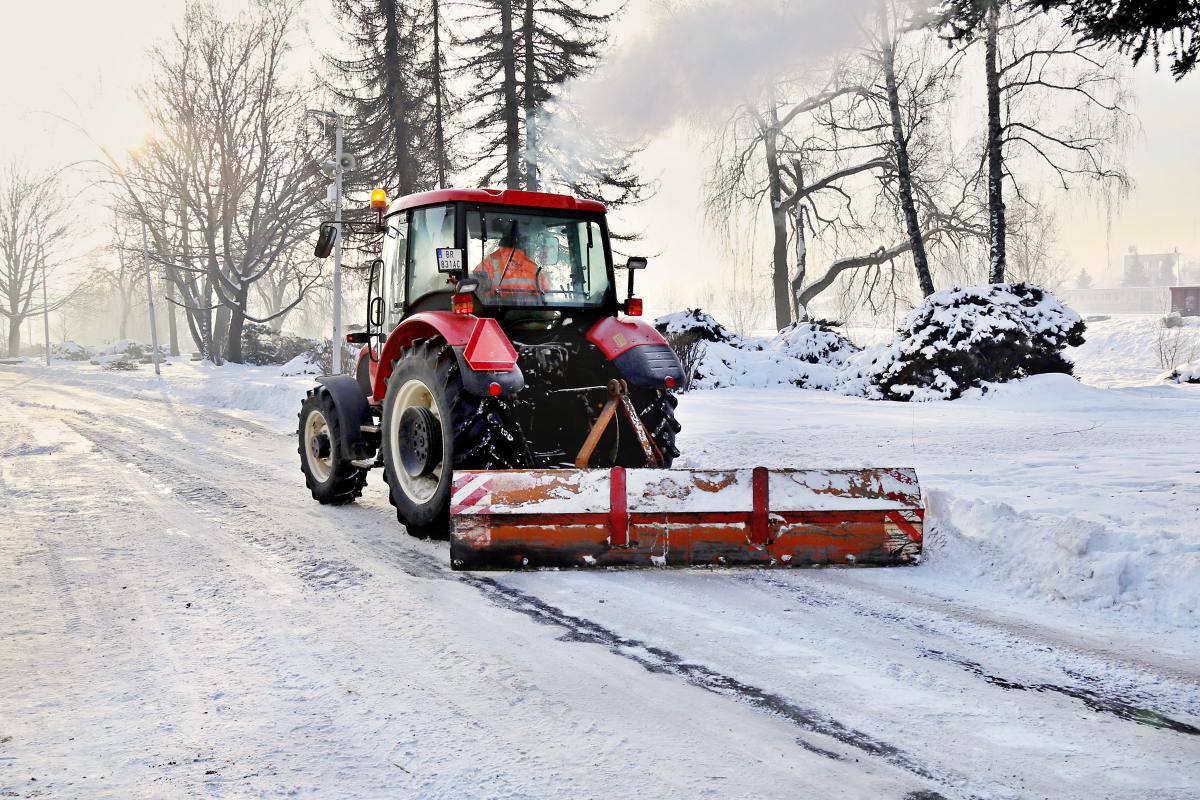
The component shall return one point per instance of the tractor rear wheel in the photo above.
(330, 476)
(431, 426)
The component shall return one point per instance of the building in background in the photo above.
(1151, 269)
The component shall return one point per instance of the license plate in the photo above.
(449, 259)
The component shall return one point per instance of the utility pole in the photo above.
(45, 303)
(150, 301)
(337, 253)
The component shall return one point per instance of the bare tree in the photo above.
(121, 271)
(227, 185)
(1055, 106)
(759, 160)
(34, 220)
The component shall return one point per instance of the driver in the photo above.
(508, 273)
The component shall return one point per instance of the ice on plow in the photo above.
(513, 519)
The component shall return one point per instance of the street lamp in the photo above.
(338, 169)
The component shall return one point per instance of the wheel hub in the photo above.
(420, 441)
(320, 445)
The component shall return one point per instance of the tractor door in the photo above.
(395, 253)
(428, 286)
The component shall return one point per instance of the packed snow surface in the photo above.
(179, 619)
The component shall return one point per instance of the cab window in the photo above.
(431, 228)
(395, 241)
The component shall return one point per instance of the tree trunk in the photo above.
(172, 326)
(903, 167)
(233, 336)
(995, 152)
(394, 89)
(123, 312)
(14, 336)
(439, 124)
(218, 337)
(798, 275)
(531, 154)
(779, 268)
(512, 135)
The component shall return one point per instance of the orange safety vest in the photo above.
(520, 273)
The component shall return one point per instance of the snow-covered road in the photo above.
(179, 619)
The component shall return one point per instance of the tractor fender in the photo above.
(484, 353)
(364, 366)
(639, 352)
(353, 412)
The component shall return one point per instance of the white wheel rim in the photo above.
(422, 488)
(314, 426)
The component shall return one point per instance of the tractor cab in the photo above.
(528, 259)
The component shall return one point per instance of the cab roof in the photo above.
(499, 197)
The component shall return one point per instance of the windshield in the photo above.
(536, 260)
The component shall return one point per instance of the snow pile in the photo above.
(303, 364)
(805, 354)
(1187, 373)
(964, 338)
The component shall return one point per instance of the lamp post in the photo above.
(45, 303)
(150, 301)
(337, 245)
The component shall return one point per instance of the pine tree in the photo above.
(521, 58)
(395, 94)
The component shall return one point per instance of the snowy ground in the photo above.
(179, 619)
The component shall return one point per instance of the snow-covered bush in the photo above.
(1187, 373)
(70, 351)
(805, 354)
(960, 339)
(121, 364)
(262, 345)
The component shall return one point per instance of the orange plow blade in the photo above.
(514, 519)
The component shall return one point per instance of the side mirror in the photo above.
(636, 262)
(325, 240)
(375, 312)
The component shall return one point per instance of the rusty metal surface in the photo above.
(782, 518)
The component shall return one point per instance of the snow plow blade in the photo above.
(515, 519)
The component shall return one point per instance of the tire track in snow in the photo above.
(1122, 702)
(316, 571)
(661, 661)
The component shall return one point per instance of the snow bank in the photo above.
(805, 354)
(259, 393)
(1065, 558)
(1124, 350)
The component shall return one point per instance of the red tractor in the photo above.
(505, 400)
(492, 337)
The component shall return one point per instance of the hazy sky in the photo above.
(81, 59)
